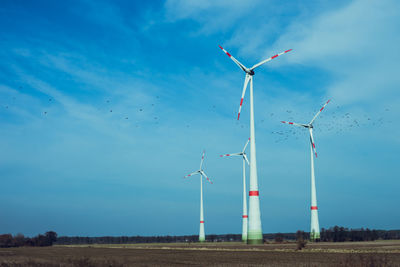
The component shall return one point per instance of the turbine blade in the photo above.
(316, 115)
(312, 142)
(208, 179)
(246, 81)
(293, 123)
(191, 174)
(228, 155)
(202, 159)
(268, 59)
(234, 59)
(245, 157)
(248, 140)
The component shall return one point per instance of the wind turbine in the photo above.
(255, 230)
(314, 232)
(244, 216)
(202, 236)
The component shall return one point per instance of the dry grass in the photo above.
(377, 253)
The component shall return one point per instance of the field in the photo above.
(377, 253)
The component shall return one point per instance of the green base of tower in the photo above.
(255, 238)
(314, 236)
(201, 240)
(255, 241)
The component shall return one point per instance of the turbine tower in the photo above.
(255, 230)
(202, 236)
(244, 216)
(314, 232)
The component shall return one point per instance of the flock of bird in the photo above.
(107, 105)
(338, 121)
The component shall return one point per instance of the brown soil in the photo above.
(378, 253)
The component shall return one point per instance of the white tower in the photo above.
(244, 214)
(202, 236)
(314, 231)
(254, 235)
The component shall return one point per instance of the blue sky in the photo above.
(106, 105)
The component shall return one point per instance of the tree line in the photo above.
(342, 234)
(19, 240)
(333, 234)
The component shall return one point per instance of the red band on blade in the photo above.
(201, 221)
(313, 145)
(290, 122)
(321, 109)
(328, 101)
(220, 46)
(245, 216)
(314, 207)
(238, 115)
(241, 101)
(253, 193)
(228, 54)
(288, 50)
(316, 154)
(228, 154)
(274, 57)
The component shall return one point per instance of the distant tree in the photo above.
(212, 237)
(51, 237)
(374, 235)
(278, 238)
(19, 240)
(301, 242)
(6, 241)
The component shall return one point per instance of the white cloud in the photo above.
(212, 16)
(357, 45)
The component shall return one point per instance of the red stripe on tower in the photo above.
(253, 193)
(314, 207)
(245, 216)
(201, 221)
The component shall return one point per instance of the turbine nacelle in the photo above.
(249, 71)
(200, 171)
(309, 126)
(242, 154)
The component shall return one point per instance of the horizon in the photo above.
(105, 106)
